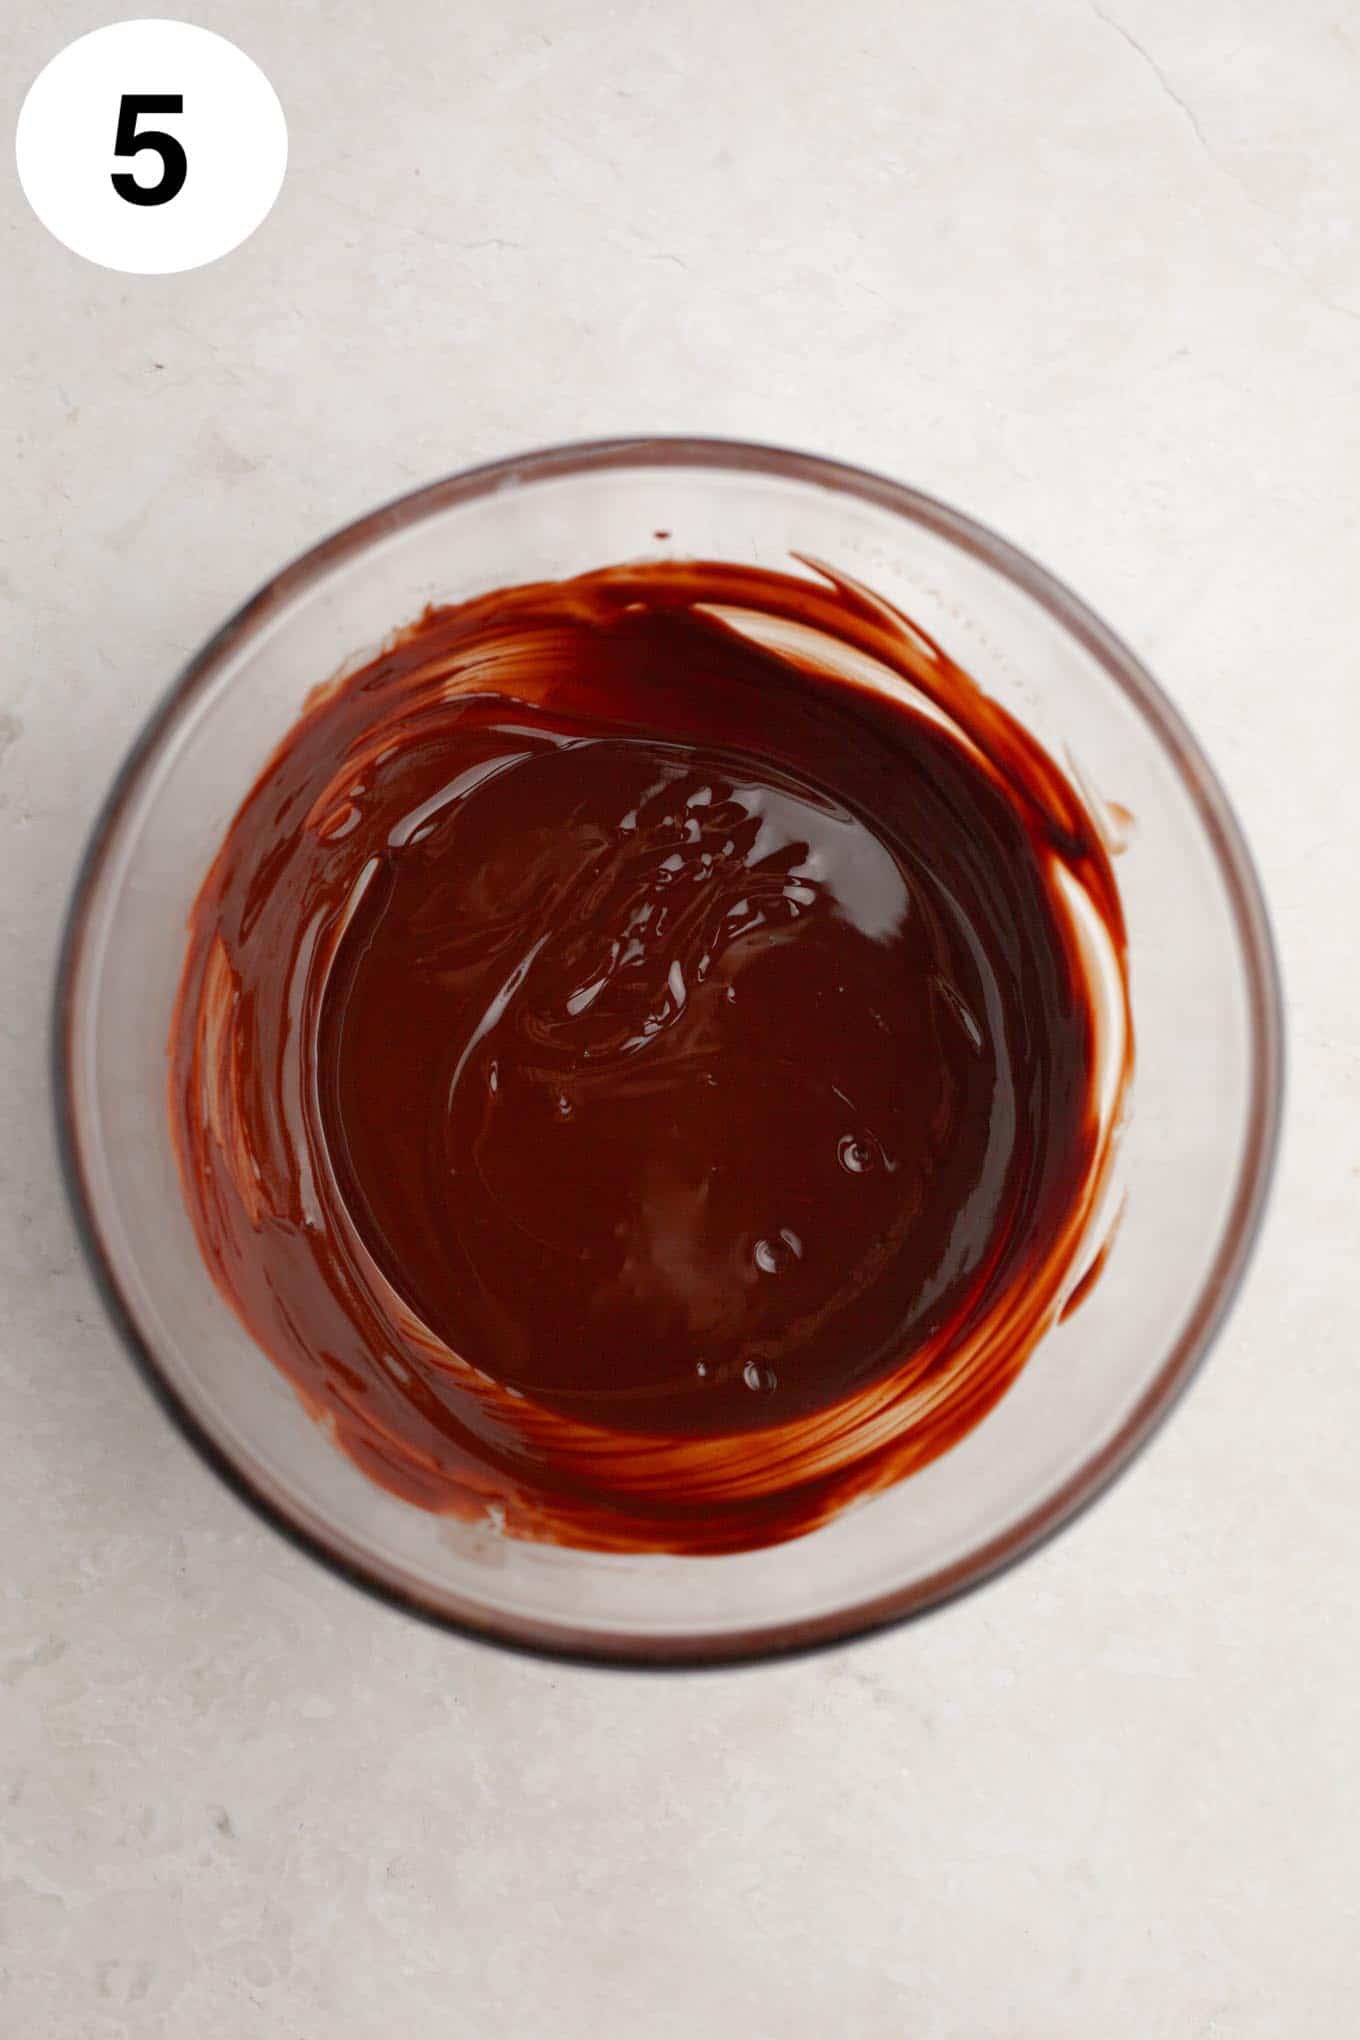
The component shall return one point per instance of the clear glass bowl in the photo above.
(1195, 1158)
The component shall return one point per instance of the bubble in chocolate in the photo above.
(777, 1254)
(856, 1155)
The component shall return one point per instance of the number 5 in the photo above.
(127, 142)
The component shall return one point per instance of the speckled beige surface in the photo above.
(1092, 272)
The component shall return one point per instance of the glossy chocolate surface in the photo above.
(643, 1059)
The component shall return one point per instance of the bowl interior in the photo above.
(1194, 1157)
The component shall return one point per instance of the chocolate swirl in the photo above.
(649, 1055)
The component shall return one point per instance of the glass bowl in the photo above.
(1195, 1156)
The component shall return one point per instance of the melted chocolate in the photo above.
(646, 1057)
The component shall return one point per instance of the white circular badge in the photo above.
(151, 146)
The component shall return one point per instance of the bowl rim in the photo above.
(697, 1648)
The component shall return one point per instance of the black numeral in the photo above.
(127, 142)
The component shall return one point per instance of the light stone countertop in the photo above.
(1091, 271)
